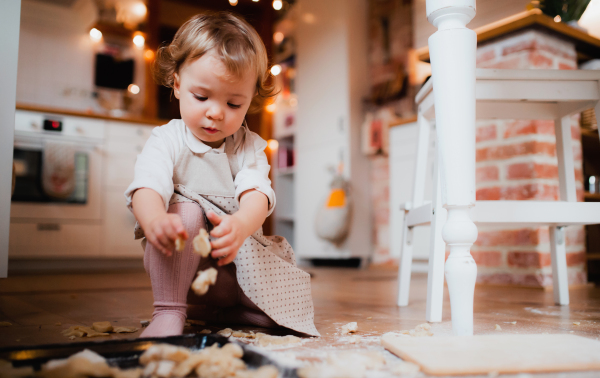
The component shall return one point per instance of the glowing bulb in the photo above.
(139, 10)
(271, 108)
(557, 18)
(256, 1)
(233, 2)
(278, 37)
(276, 70)
(273, 144)
(149, 54)
(139, 41)
(95, 35)
(277, 4)
(134, 89)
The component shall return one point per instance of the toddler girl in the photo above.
(209, 166)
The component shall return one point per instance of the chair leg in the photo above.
(560, 279)
(437, 252)
(405, 267)
(564, 154)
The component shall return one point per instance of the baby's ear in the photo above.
(176, 85)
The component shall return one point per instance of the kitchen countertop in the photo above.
(587, 46)
(71, 112)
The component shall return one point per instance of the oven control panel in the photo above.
(34, 123)
(52, 125)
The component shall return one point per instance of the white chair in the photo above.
(505, 94)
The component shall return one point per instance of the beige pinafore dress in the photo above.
(266, 265)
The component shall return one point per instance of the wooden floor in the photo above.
(35, 304)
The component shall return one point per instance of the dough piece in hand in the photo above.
(102, 327)
(349, 328)
(202, 243)
(204, 280)
(179, 244)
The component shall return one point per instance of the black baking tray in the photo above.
(125, 353)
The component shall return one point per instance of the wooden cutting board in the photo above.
(458, 355)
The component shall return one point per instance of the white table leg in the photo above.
(452, 51)
(437, 252)
(558, 254)
(405, 267)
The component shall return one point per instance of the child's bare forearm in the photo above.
(147, 205)
(254, 208)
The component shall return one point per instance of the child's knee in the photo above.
(192, 216)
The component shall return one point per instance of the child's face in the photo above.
(213, 102)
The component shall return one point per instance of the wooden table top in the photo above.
(587, 46)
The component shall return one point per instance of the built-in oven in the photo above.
(56, 205)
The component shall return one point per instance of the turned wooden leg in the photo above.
(452, 51)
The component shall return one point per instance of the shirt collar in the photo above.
(198, 147)
(196, 144)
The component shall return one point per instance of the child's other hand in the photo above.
(164, 230)
(231, 234)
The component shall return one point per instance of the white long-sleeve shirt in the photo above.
(154, 166)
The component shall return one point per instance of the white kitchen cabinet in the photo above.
(403, 152)
(53, 239)
(124, 142)
(331, 81)
(118, 228)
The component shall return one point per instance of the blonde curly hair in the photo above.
(233, 40)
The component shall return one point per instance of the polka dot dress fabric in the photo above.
(266, 270)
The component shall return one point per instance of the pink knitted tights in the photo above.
(172, 276)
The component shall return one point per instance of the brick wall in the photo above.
(516, 160)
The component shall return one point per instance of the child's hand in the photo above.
(231, 234)
(163, 230)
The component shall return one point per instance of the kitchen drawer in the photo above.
(130, 132)
(55, 240)
(119, 223)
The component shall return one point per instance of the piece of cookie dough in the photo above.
(204, 280)
(202, 243)
(179, 244)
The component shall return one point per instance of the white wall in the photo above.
(56, 55)
(331, 82)
(9, 45)
(488, 11)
